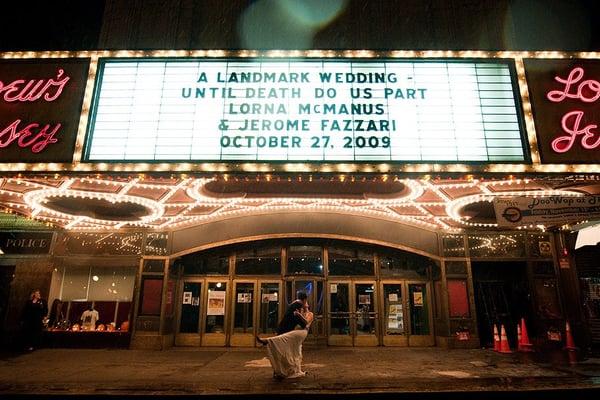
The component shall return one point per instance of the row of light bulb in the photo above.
(38, 194)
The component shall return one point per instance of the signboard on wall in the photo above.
(25, 242)
(551, 210)
(339, 110)
(40, 107)
(565, 100)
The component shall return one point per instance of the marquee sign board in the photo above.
(40, 107)
(565, 100)
(306, 110)
(551, 210)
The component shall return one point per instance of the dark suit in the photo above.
(290, 320)
(33, 324)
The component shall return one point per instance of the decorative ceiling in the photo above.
(107, 203)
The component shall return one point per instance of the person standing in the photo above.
(89, 318)
(34, 313)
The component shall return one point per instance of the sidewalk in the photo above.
(247, 371)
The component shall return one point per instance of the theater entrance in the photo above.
(361, 295)
(501, 298)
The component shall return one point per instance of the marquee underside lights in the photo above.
(173, 203)
(36, 200)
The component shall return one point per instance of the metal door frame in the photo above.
(281, 301)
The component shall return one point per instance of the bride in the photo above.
(285, 350)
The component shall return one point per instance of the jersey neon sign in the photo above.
(587, 91)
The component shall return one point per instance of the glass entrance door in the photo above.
(420, 320)
(406, 316)
(269, 311)
(190, 313)
(365, 314)
(340, 314)
(256, 310)
(244, 305)
(353, 316)
(214, 325)
(394, 315)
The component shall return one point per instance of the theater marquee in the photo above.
(356, 111)
(298, 110)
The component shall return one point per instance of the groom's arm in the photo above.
(300, 318)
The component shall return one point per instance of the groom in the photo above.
(291, 318)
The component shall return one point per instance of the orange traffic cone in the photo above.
(572, 357)
(569, 342)
(524, 344)
(496, 339)
(504, 346)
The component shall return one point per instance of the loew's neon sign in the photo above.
(33, 135)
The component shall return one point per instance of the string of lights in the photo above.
(432, 204)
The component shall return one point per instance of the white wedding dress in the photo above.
(285, 353)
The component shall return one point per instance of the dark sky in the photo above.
(50, 24)
(535, 24)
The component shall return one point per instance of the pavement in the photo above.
(245, 371)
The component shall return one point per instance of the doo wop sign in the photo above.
(551, 210)
(305, 110)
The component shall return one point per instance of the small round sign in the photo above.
(512, 214)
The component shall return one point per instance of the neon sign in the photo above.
(32, 135)
(587, 91)
(30, 90)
